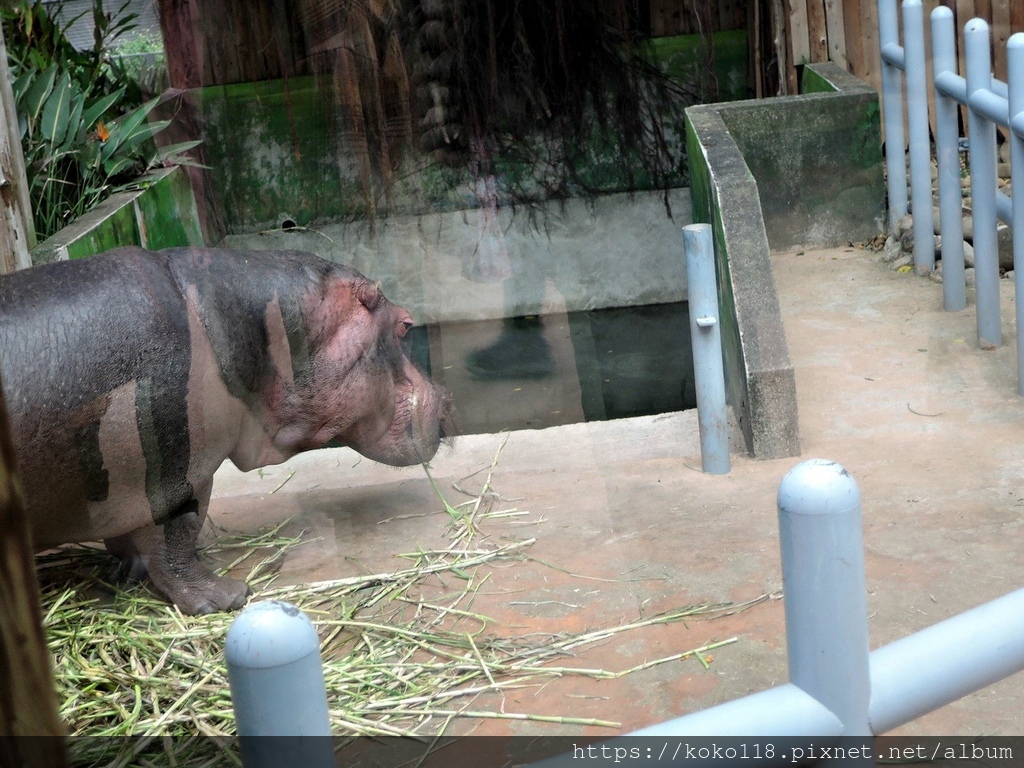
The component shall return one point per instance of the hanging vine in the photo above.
(495, 85)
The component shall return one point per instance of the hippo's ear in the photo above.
(369, 294)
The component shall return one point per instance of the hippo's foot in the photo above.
(167, 554)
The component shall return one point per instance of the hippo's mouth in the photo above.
(423, 419)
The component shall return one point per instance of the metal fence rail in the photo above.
(837, 688)
(990, 103)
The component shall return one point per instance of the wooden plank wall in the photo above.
(847, 31)
(843, 31)
(690, 17)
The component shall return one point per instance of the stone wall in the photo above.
(778, 174)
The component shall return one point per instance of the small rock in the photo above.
(968, 225)
(936, 275)
(965, 183)
(1004, 238)
(969, 277)
(903, 261)
(1009, 274)
(891, 250)
(1004, 152)
(905, 224)
(1003, 170)
(907, 239)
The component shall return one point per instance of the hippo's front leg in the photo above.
(167, 553)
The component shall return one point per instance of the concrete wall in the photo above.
(817, 159)
(617, 250)
(774, 175)
(274, 154)
(160, 214)
(273, 157)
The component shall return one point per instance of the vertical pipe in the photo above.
(823, 580)
(947, 151)
(983, 187)
(277, 688)
(920, 145)
(892, 113)
(706, 335)
(1015, 70)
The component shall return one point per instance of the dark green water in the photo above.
(528, 373)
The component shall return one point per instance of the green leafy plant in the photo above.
(84, 132)
(141, 60)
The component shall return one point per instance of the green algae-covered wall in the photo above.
(683, 58)
(271, 150)
(161, 213)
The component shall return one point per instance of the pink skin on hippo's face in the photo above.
(363, 391)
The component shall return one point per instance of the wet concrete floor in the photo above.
(888, 384)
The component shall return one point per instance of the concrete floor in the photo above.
(888, 384)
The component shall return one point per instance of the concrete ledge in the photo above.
(759, 376)
(161, 214)
(775, 175)
(616, 250)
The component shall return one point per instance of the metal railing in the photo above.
(990, 103)
(837, 688)
(706, 338)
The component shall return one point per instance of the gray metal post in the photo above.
(1015, 78)
(826, 597)
(920, 144)
(277, 687)
(892, 110)
(983, 187)
(954, 286)
(706, 338)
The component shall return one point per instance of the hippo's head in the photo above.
(352, 383)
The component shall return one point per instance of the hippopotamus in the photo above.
(130, 376)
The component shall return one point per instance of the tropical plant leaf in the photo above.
(115, 166)
(127, 127)
(89, 159)
(56, 111)
(61, 95)
(20, 84)
(142, 134)
(172, 150)
(74, 121)
(36, 93)
(98, 108)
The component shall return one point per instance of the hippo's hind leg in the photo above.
(167, 553)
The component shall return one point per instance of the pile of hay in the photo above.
(403, 652)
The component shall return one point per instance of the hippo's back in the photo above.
(86, 348)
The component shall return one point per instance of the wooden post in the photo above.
(17, 233)
(28, 699)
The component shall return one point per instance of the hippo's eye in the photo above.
(403, 327)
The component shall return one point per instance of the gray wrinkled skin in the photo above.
(130, 376)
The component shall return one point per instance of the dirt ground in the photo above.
(888, 384)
